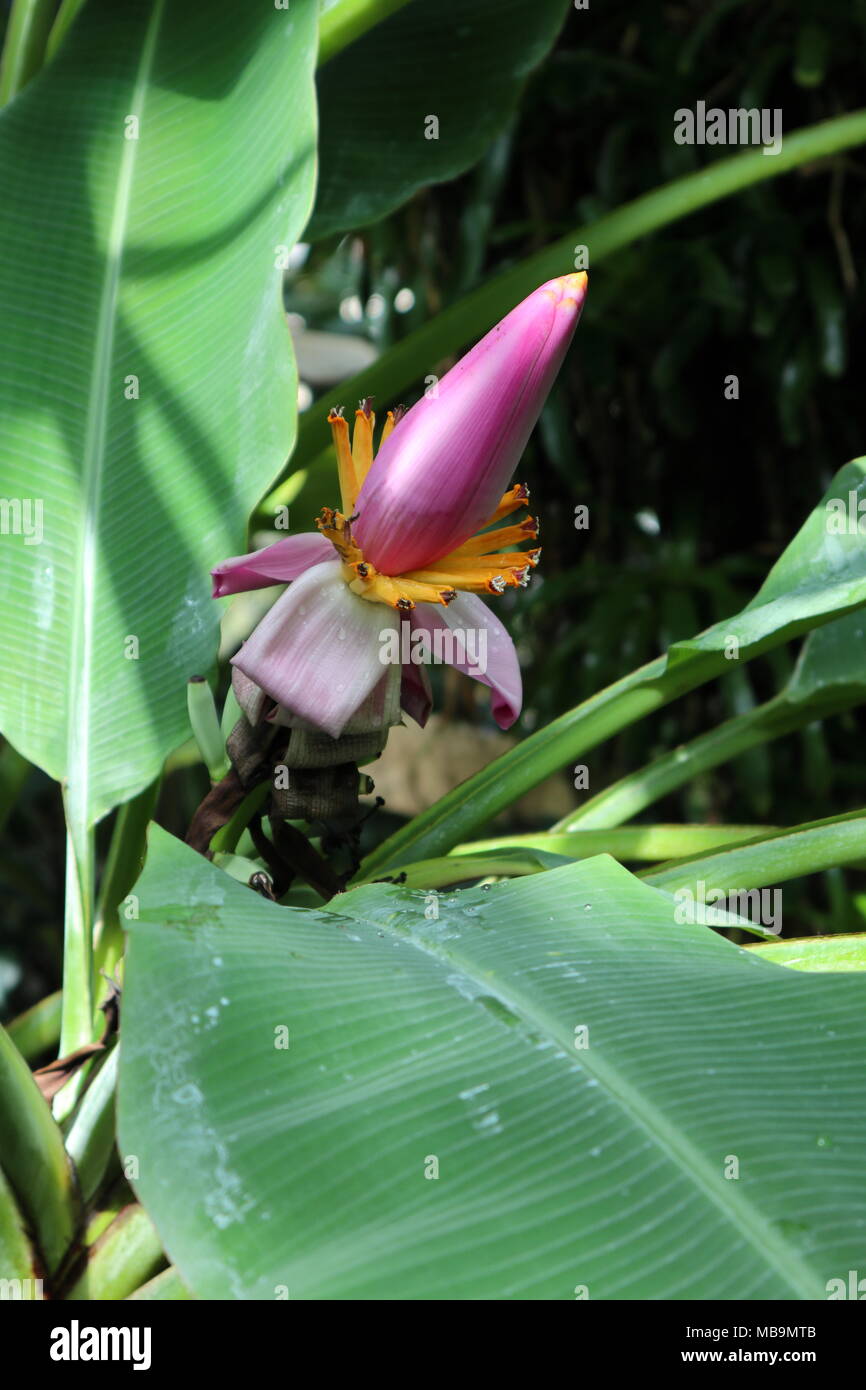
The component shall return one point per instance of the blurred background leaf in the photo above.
(419, 99)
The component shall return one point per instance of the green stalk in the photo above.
(37, 1030)
(205, 727)
(34, 1158)
(439, 873)
(106, 1208)
(633, 793)
(62, 24)
(510, 856)
(164, 1287)
(236, 866)
(410, 360)
(347, 21)
(126, 1254)
(648, 843)
(76, 1027)
(774, 858)
(122, 867)
(90, 1140)
(27, 31)
(230, 715)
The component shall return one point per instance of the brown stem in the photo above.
(215, 811)
(296, 851)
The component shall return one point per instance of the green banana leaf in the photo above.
(150, 174)
(547, 1090)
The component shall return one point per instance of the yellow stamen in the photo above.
(335, 528)
(362, 445)
(474, 567)
(388, 426)
(345, 465)
(490, 574)
(401, 592)
(514, 499)
(488, 541)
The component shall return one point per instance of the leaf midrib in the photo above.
(78, 748)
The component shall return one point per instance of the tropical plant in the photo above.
(300, 1049)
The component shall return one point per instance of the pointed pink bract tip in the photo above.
(437, 479)
(568, 290)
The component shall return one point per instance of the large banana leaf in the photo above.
(425, 61)
(614, 1104)
(148, 176)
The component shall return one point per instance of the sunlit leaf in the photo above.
(155, 169)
